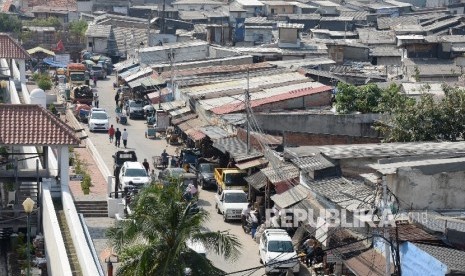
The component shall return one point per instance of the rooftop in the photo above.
(451, 257)
(250, 3)
(94, 30)
(33, 125)
(11, 49)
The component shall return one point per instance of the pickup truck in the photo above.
(230, 204)
(230, 179)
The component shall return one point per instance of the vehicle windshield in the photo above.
(136, 104)
(280, 246)
(77, 76)
(99, 116)
(235, 198)
(208, 167)
(96, 68)
(135, 173)
(235, 179)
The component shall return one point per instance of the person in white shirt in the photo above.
(245, 214)
(124, 137)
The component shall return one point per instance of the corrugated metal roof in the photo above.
(142, 73)
(124, 64)
(282, 173)
(129, 72)
(312, 163)
(214, 132)
(348, 194)
(273, 97)
(236, 148)
(252, 163)
(184, 118)
(94, 30)
(169, 46)
(257, 180)
(172, 105)
(180, 111)
(195, 134)
(235, 87)
(138, 82)
(291, 196)
(370, 262)
(291, 25)
(193, 123)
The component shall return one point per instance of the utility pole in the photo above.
(162, 26)
(387, 250)
(246, 103)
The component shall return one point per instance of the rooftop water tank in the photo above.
(39, 97)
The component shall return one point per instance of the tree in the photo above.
(44, 83)
(78, 29)
(44, 22)
(429, 119)
(364, 99)
(9, 23)
(153, 241)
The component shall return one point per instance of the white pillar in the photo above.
(64, 165)
(22, 70)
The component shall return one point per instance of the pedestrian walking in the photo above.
(117, 99)
(95, 80)
(96, 100)
(117, 137)
(164, 159)
(111, 133)
(124, 137)
(146, 165)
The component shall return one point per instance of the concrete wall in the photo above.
(86, 261)
(358, 125)
(188, 52)
(389, 61)
(315, 139)
(258, 35)
(319, 99)
(217, 52)
(430, 187)
(415, 261)
(57, 259)
(356, 53)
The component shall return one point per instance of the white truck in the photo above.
(230, 204)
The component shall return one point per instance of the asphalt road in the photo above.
(146, 148)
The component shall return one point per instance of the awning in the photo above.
(257, 180)
(184, 118)
(195, 134)
(151, 82)
(40, 50)
(369, 262)
(142, 73)
(172, 105)
(193, 123)
(236, 148)
(129, 72)
(125, 65)
(52, 63)
(282, 173)
(214, 132)
(252, 163)
(180, 111)
(290, 197)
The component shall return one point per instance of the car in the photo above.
(169, 175)
(277, 252)
(135, 109)
(98, 120)
(98, 71)
(133, 174)
(206, 175)
(230, 204)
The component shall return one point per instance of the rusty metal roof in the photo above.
(11, 49)
(33, 125)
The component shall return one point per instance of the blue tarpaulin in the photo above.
(51, 62)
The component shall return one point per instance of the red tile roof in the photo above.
(234, 107)
(33, 125)
(9, 48)
(55, 4)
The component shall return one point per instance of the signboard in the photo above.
(76, 177)
(62, 58)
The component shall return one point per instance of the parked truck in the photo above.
(230, 204)
(77, 74)
(230, 179)
(82, 94)
(162, 120)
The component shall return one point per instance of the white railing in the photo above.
(58, 262)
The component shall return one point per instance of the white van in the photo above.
(277, 252)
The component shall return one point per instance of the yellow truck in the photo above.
(230, 179)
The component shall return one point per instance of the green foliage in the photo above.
(78, 28)
(153, 240)
(44, 22)
(52, 108)
(10, 23)
(429, 119)
(364, 99)
(44, 84)
(86, 183)
(416, 74)
(3, 152)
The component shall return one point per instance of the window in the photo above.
(280, 246)
(236, 198)
(135, 172)
(90, 44)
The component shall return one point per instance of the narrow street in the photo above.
(146, 148)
